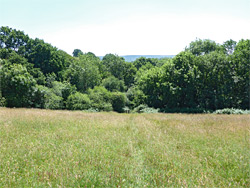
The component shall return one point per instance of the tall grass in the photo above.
(43, 148)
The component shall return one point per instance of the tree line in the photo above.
(205, 76)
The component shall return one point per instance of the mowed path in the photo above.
(75, 149)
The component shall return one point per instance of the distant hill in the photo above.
(130, 58)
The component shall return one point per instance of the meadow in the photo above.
(45, 148)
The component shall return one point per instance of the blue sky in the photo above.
(128, 27)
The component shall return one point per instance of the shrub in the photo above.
(143, 108)
(102, 106)
(126, 109)
(2, 102)
(46, 98)
(53, 101)
(91, 110)
(101, 98)
(63, 89)
(17, 85)
(149, 110)
(184, 110)
(231, 111)
(78, 101)
(135, 96)
(118, 101)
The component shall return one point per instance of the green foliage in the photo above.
(47, 98)
(135, 97)
(126, 109)
(54, 96)
(13, 58)
(143, 108)
(77, 52)
(240, 74)
(62, 89)
(147, 62)
(17, 85)
(118, 101)
(46, 57)
(232, 111)
(185, 110)
(78, 101)
(201, 47)
(214, 81)
(113, 84)
(2, 102)
(229, 46)
(205, 77)
(101, 98)
(84, 73)
(151, 84)
(129, 74)
(13, 39)
(115, 65)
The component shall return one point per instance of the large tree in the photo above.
(84, 73)
(201, 47)
(18, 86)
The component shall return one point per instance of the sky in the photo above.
(128, 27)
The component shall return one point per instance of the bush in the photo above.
(63, 89)
(149, 110)
(78, 101)
(126, 109)
(145, 109)
(231, 111)
(46, 98)
(53, 101)
(185, 110)
(17, 85)
(2, 102)
(118, 101)
(101, 98)
(135, 97)
(92, 110)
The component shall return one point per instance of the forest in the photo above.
(206, 76)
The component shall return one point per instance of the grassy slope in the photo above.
(75, 149)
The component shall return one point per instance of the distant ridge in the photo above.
(130, 58)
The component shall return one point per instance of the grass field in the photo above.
(43, 148)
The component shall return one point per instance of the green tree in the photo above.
(113, 84)
(18, 86)
(115, 65)
(214, 81)
(241, 72)
(229, 46)
(46, 57)
(129, 74)
(84, 73)
(142, 61)
(201, 47)
(13, 39)
(150, 83)
(77, 52)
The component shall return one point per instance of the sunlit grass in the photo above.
(42, 148)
